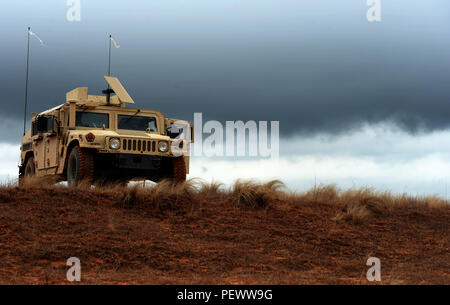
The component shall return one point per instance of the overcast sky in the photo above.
(330, 77)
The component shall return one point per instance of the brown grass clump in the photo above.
(164, 196)
(432, 202)
(211, 190)
(355, 213)
(251, 194)
(322, 193)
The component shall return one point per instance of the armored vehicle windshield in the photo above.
(92, 119)
(139, 123)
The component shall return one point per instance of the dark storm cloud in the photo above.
(316, 66)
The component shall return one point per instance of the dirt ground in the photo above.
(213, 237)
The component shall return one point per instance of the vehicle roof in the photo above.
(50, 110)
(104, 107)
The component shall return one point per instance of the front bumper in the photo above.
(128, 161)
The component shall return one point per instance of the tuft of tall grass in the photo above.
(322, 193)
(256, 195)
(163, 196)
(354, 213)
(211, 190)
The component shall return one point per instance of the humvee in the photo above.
(97, 138)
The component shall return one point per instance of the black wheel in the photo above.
(29, 172)
(173, 169)
(80, 166)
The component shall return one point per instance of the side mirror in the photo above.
(173, 131)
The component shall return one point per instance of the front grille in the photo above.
(138, 145)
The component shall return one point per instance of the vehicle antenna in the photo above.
(109, 59)
(26, 82)
(108, 90)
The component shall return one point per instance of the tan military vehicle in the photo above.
(98, 138)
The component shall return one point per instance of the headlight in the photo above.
(163, 146)
(114, 143)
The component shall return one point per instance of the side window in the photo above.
(43, 124)
(50, 122)
(34, 129)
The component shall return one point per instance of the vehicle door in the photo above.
(51, 143)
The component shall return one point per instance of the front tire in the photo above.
(80, 166)
(179, 170)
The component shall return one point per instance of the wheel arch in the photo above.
(28, 155)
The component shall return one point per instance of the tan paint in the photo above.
(51, 146)
(119, 90)
(78, 94)
(72, 114)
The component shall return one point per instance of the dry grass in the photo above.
(166, 196)
(210, 189)
(162, 197)
(356, 214)
(356, 204)
(256, 195)
(360, 204)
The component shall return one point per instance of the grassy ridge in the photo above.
(199, 232)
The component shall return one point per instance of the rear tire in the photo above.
(80, 166)
(29, 172)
